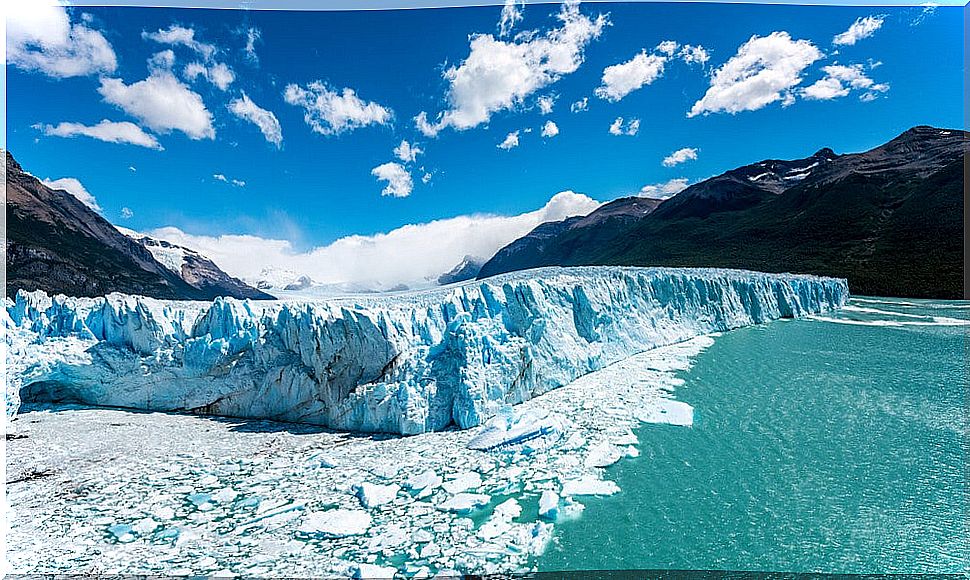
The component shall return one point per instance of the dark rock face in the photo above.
(57, 244)
(554, 243)
(890, 220)
(466, 270)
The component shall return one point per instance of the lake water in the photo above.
(836, 445)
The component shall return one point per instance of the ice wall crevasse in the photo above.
(405, 363)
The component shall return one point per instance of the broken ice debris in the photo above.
(462, 482)
(519, 431)
(374, 572)
(464, 502)
(549, 505)
(589, 485)
(337, 523)
(372, 495)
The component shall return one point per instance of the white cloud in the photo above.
(126, 213)
(399, 182)
(632, 127)
(161, 102)
(763, 71)
(498, 75)
(546, 103)
(550, 129)
(411, 254)
(664, 190)
(268, 124)
(619, 80)
(694, 54)
(110, 131)
(74, 187)
(668, 47)
(219, 74)
(331, 113)
(41, 37)
(426, 178)
(221, 177)
(840, 80)
(132, 168)
(580, 105)
(511, 140)
(181, 36)
(511, 15)
(861, 28)
(252, 36)
(680, 156)
(407, 152)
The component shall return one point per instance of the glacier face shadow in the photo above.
(402, 364)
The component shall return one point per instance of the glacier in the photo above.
(404, 363)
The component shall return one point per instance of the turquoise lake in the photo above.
(836, 445)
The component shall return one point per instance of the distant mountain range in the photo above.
(890, 220)
(57, 244)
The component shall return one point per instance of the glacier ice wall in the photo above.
(406, 363)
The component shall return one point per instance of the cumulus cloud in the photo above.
(664, 190)
(219, 74)
(176, 35)
(511, 15)
(74, 187)
(407, 152)
(694, 54)
(550, 129)
(126, 213)
(221, 177)
(411, 254)
(268, 124)
(861, 28)
(763, 71)
(546, 103)
(399, 182)
(840, 80)
(580, 105)
(329, 112)
(252, 36)
(498, 75)
(631, 127)
(109, 131)
(511, 141)
(41, 37)
(619, 80)
(161, 102)
(680, 156)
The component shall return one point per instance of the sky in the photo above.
(382, 146)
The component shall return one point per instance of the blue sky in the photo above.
(305, 189)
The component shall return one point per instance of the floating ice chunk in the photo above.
(145, 526)
(421, 536)
(464, 502)
(462, 482)
(508, 509)
(603, 455)
(163, 512)
(372, 495)
(374, 572)
(589, 485)
(201, 501)
(122, 533)
(571, 509)
(632, 451)
(549, 505)
(385, 470)
(627, 438)
(670, 412)
(519, 431)
(225, 495)
(426, 480)
(337, 523)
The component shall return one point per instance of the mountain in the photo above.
(554, 243)
(197, 270)
(467, 269)
(57, 244)
(890, 220)
(281, 279)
